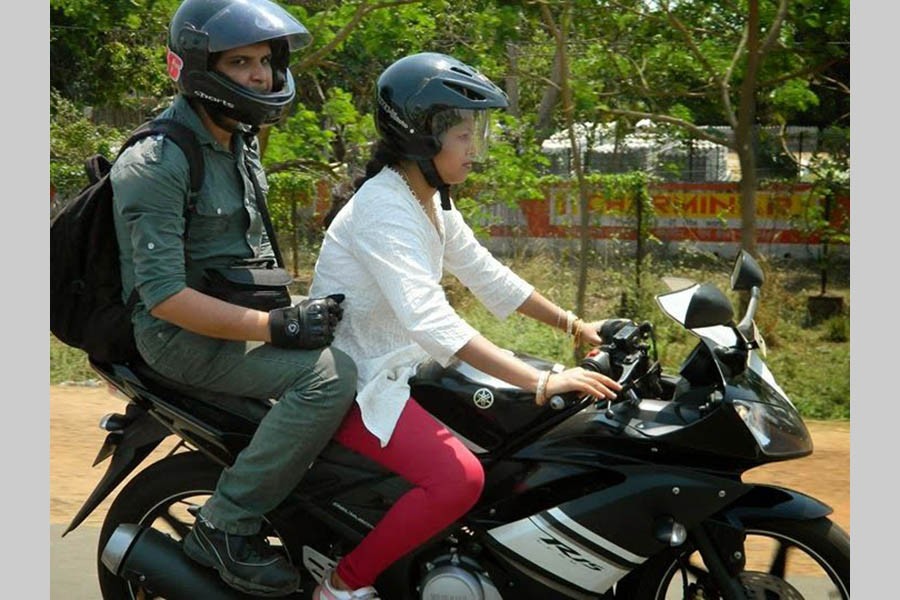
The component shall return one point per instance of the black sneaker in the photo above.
(245, 562)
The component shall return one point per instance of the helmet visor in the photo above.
(459, 127)
(245, 23)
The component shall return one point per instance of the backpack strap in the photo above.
(186, 139)
(183, 136)
(261, 203)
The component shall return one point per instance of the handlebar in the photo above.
(745, 326)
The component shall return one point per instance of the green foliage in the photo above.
(300, 137)
(109, 53)
(823, 216)
(68, 364)
(837, 329)
(73, 137)
(793, 96)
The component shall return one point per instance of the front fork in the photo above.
(722, 547)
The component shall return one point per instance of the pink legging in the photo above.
(448, 479)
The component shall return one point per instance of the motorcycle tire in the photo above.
(151, 494)
(785, 559)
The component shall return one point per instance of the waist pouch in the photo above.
(254, 284)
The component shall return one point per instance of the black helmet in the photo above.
(202, 28)
(421, 96)
(413, 90)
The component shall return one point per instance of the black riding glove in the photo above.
(306, 325)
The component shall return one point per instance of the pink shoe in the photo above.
(324, 591)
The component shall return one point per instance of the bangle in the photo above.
(540, 394)
(570, 320)
(576, 326)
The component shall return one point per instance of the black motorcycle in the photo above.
(638, 498)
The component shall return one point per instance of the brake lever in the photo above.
(630, 396)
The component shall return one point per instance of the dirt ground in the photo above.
(75, 439)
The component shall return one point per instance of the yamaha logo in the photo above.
(483, 398)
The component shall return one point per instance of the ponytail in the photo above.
(382, 156)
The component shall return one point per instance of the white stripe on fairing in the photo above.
(524, 538)
(589, 535)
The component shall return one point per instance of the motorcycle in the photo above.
(638, 498)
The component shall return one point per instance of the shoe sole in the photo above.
(192, 546)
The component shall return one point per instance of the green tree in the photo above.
(109, 53)
(685, 58)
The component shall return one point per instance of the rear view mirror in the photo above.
(708, 307)
(698, 306)
(746, 274)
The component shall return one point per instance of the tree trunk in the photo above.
(549, 99)
(747, 157)
(560, 33)
(745, 132)
(512, 80)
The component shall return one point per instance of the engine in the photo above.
(455, 577)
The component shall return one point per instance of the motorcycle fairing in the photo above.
(482, 410)
(594, 538)
(773, 502)
(550, 543)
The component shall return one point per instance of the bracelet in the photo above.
(577, 332)
(570, 320)
(540, 394)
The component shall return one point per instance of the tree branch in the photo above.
(722, 81)
(701, 133)
(362, 9)
(775, 28)
(304, 164)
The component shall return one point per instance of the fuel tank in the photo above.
(480, 409)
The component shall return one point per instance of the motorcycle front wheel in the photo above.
(159, 497)
(789, 560)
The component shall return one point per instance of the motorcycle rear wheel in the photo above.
(159, 497)
(790, 560)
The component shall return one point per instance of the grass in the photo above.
(811, 362)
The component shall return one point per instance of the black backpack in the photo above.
(86, 308)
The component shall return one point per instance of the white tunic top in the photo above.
(383, 253)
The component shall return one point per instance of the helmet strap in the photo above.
(229, 124)
(434, 180)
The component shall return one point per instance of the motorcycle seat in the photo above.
(252, 409)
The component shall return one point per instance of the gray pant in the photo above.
(314, 389)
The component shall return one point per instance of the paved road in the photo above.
(73, 570)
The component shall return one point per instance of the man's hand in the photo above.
(306, 325)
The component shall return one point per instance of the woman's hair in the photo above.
(382, 156)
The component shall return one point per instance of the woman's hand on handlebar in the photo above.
(581, 380)
(589, 332)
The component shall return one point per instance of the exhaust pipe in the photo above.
(155, 561)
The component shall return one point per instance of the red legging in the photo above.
(448, 479)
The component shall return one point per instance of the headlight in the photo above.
(778, 430)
